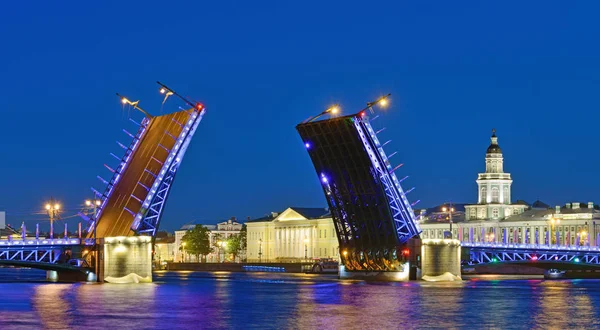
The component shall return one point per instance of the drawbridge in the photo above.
(372, 216)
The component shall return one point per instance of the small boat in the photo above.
(553, 274)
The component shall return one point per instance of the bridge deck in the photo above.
(125, 201)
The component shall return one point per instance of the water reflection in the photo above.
(282, 301)
(54, 311)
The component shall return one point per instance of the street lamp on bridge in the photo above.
(331, 110)
(93, 204)
(53, 208)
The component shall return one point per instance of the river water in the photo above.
(197, 300)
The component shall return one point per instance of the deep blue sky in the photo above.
(456, 70)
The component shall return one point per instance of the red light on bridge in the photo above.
(199, 106)
(534, 258)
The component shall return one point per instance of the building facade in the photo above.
(294, 235)
(495, 220)
(217, 233)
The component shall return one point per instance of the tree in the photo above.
(197, 242)
(237, 243)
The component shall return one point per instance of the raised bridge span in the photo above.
(372, 216)
(133, 200)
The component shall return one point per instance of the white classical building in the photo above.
(220, 231)
(296, 234)
(495, 219)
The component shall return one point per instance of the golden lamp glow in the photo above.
(88, 203)
(47, 206)
(334, 110)
(123, 100)
(56, 206)
(163, 90)
(345, 253)
(383, 102)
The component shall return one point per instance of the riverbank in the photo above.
(240, 267)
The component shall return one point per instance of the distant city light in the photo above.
(307, 145)
(324, 179)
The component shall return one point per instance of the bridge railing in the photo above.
(553, 247)
(44, 242)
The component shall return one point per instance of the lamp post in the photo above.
(94, 205)
(332, 110)
(449, 209)
(305, 248)
(52, 207)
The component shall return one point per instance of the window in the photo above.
(325, 233)
(495, 213)
(483, 195)
(506, 197)
(495, 195)
(515, 211)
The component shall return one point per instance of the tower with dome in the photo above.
(494, 188)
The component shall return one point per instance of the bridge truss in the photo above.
(33, 251)
(370, 210)
(481, 253)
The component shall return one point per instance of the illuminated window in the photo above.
(495, 195)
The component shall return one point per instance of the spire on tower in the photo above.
(494, 148)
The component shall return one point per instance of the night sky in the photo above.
(455, 70)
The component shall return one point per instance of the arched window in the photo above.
(506, 197)
(483, 195)
(494, 166)
(495, 195)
